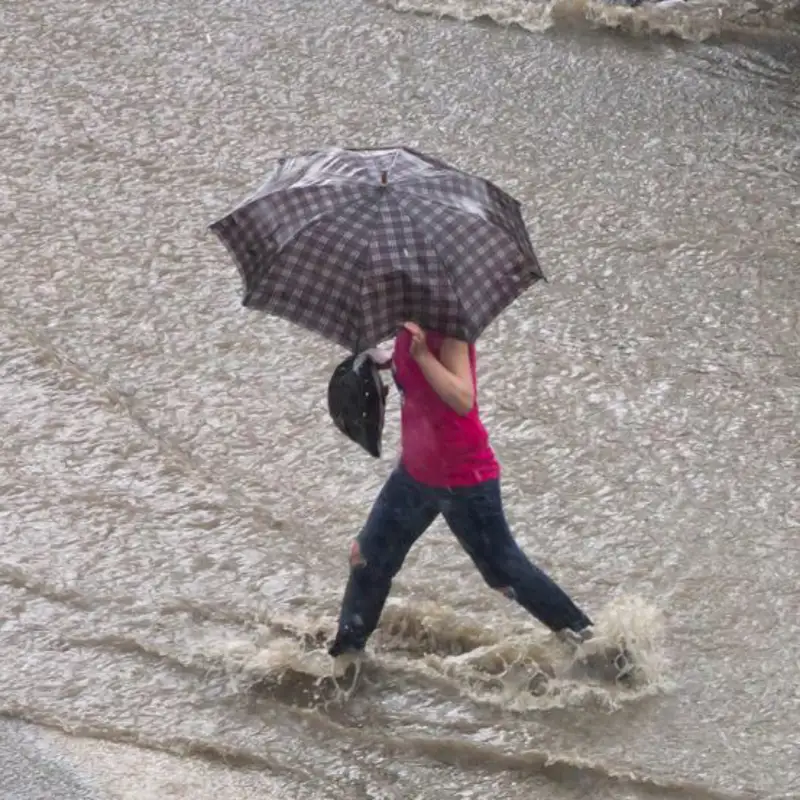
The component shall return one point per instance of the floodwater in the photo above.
(176, 507)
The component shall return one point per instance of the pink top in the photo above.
(439, 446)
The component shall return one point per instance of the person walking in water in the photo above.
(446, 467)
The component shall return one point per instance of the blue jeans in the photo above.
(403, 510)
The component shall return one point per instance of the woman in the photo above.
(446, 467)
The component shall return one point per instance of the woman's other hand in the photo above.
(381, 357)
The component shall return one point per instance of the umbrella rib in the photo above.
(458, 209)
(374, 209)
(432, 241)
(314, 220)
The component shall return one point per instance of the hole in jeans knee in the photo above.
(507, 592)
(356, 558)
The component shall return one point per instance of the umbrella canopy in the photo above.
(352, 243)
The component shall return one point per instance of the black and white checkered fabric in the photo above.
(351, 243)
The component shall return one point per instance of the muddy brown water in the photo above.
(176, 506)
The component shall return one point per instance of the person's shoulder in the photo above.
(454, 345)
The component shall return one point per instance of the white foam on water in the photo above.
(693, 21)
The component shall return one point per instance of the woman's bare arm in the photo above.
(450, 375)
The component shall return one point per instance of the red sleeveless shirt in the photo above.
(439, 447)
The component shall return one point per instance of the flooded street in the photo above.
(176, 506)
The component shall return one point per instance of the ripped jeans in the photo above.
(402, 512)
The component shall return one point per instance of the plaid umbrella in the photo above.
(351, 243)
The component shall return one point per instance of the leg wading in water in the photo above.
(475, 515)
(402, 512)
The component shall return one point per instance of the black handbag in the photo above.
(357, 401)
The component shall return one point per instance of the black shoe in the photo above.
(349, 641)
(338, 648)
